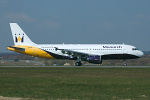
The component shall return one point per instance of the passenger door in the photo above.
(34, 50)
(125, 50)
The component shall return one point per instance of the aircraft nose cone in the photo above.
(140, 54)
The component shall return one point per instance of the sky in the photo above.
(77, 21)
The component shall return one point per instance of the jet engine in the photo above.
(95, 59)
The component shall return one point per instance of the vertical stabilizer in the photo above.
(19, 36)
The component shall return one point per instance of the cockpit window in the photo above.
(135, 49)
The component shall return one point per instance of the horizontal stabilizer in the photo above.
(20, 49)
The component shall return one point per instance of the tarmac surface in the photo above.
(87, 66)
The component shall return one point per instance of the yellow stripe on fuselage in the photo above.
(30, 50)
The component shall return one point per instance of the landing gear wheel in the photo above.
(78, 63)
(125, 64)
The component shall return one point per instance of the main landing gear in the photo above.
(78, 63)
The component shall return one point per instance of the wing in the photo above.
(91, 58)
(72, 53)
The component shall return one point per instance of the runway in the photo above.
(86, 66)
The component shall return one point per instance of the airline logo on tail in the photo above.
(19, 39)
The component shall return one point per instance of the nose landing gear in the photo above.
(124, 62)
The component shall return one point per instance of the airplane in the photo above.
(92, 53)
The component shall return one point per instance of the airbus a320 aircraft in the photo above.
(92, 53)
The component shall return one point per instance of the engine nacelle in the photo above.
(94, 59)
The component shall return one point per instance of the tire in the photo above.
(78, 63)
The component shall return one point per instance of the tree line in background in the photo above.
(21, 59)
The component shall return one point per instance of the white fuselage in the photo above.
(95, 49)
